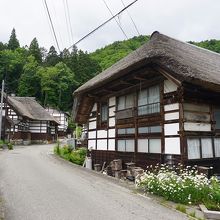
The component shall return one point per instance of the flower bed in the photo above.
(181, 185)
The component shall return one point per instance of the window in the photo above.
(126, 145)
(217, 118)
(124, 131)
(104, 112)
(143, 145)
(149, 129)
(154, 145)
(125, 102)
(217, 147)
(206, 147)
(149, 101)
(193, 148)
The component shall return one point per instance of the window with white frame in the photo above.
(126, 145)
(150, 129)
(149, 100)
(217, 147)
(152, 145)
(126, 131)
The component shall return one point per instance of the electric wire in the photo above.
(132, 20)
(66, 19)
(51, 22)
(70, 24)
(101, 25)
(119, 25)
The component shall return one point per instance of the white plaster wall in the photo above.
(169, 86)
(112, 101)
(111, 122)
(102, 144)
(171, 129)
(101, 134)
(171, 107)
(171, 116)
(91, 134)
(111, 144)
(190, 126)
(111, 133)
(92, 125)
(91, 144)
(172, 145)
(112, 111)
(92, 119)
(94, 107)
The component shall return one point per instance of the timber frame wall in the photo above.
(186, 113)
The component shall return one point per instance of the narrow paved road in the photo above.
(37, 186)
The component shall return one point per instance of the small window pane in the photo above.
(154, 145)
(129, 146)
(206, 148)
(193, 148)
(217, 147)
(155, 129)
(154, 94)
(121, 102)
(121, 131)
(104, 112)
(129, 103)
(143, 145)
(143, 130)
(121, 145)
(130, 130)
(143, 97)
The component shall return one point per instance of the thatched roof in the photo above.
(30, 108)
(183, 62)
(187, 63)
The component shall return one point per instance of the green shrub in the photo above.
(78, 156)
(10, 146)
(1, 143)
(57, 148)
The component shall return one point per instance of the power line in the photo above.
(54, 33)
(70, 24)
(132, 20)
(101, 25)
(119, 25)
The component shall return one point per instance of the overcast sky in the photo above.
(182, 19)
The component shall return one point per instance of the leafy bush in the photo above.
(75, 156)
(1, 143)
(10, 146)
(181, 185)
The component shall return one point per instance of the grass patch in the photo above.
(181, 208)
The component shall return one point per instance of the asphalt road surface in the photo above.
(37, 186)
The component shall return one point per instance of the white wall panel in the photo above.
(91, 134)
(102, 144)
(171, 116)
(112, 111)
(111, 144)
(112, 101)
(101, 134)
(169, 86)
(171, 107)
(190, 126)
(172, 145)
(91, 144)
(94, 107)
(111, 122)
(171, 129)
(92, 119)
(92, 125)
(111, 133)
(143, 145)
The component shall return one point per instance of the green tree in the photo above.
(35, 50)
(13, 42)
(29, 83)
(52, 57)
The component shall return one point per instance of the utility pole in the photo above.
(2, 96)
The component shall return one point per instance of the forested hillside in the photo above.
(112, 53)
(52, 77)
